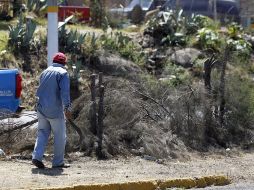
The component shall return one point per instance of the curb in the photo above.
(153, 184)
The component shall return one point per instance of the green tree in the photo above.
(98, 12)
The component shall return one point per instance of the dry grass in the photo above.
(127, 129)
(3, 40)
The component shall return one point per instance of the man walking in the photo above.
(52, 107)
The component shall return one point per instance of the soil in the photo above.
(20, 174)
(140, 141)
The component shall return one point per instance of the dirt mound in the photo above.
(126, 130)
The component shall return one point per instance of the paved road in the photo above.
(239, 186)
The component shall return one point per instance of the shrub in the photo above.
(122, 44)
(178, 107)
(240, 108)
(177, 75)
(241, 47)
(197, 22)
(7, 59)
(235, 31)
(208, 39)
(173, 29)
(237, 43)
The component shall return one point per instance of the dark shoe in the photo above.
(62, 166)
(38, 164)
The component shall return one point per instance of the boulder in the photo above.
(185, 57)
(114, 65)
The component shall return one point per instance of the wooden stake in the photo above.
(100, 121)
(93, 115)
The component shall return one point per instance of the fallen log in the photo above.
(19, 127)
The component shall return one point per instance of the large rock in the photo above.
(116, 66)
(2, 154)
(185, 57)
(147, 41)
(250, 39)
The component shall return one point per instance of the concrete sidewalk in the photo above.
(153, 184)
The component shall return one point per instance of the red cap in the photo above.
(60, 58)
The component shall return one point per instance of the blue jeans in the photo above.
(58, 127)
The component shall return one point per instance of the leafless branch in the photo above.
(153, 100)
(148, 113)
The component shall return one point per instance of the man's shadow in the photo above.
(48, 171)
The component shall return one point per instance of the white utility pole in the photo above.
(52, 34)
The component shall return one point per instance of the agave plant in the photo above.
(168, 28)
(16, 34)
(71, 41)
(93, 43)
(114, 41)
(29, 32)
(121, 40)
(21, 35)
(36, 5)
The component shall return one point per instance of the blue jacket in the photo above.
(54, 92)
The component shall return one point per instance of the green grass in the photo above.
(84, 28)
(133, 28)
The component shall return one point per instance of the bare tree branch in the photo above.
(153, 100)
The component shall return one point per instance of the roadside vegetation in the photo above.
(173, 84)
